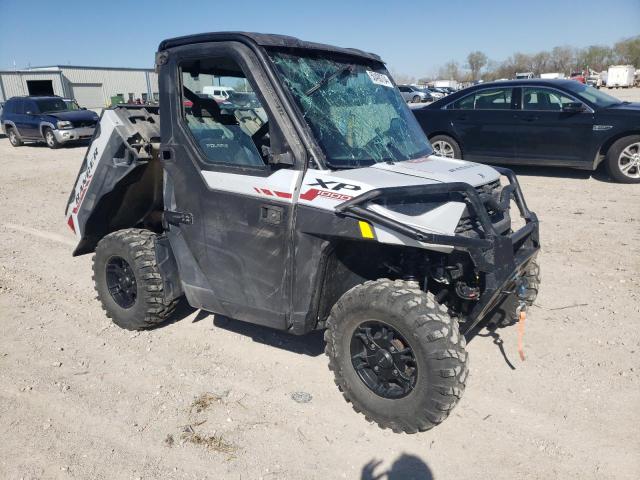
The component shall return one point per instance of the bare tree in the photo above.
(476, 60)
(402, 78)
(563, 59)
(450, 71)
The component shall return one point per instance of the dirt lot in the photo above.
(207, 397)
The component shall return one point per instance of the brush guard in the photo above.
(503, 258)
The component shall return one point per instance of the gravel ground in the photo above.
(206, 397)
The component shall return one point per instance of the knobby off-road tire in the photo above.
(433, 336)
(130, 255)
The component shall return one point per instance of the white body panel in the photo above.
(325, 189)
(108, 122)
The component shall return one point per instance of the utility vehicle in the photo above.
(323, 208)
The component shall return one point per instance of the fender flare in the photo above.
(45, 124)
(601, 152)
(10, 123)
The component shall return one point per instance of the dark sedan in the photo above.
(537, 122)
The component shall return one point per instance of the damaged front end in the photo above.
(487, 264)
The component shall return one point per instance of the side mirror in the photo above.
(285, 158)
(573, 107)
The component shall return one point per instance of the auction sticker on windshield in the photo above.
(379, 79)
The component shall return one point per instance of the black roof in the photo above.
(526, 81)
(264, 40)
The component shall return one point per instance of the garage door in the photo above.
(88, 95)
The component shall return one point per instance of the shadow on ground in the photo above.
(405, 467)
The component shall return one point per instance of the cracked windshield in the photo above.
(354, 110)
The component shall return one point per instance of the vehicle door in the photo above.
(19, 118)
(31, 119)
(482, 122)
(546, 133)
(405, 92)
(234, 258)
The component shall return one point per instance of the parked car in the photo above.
(218, 93)
(537, 122)
(440, 92)
(48, 119)
(414, 94)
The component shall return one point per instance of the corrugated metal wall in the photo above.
(113, 81)
(13, 84)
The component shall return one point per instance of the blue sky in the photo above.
(127, 33)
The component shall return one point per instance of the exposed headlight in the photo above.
(62, 124)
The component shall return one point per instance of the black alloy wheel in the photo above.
(384, 360)
(121, 282)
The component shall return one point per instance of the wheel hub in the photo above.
(383, 360)
(121, 282)
(629, 161)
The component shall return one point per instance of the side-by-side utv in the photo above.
(287, 183)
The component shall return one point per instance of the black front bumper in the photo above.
(502, 258)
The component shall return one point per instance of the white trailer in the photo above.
(446, 84)
(552, 76)
(621, 76)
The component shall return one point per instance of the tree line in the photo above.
(564, 59)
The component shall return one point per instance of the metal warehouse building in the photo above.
(92, 87)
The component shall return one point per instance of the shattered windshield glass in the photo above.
(357, 115)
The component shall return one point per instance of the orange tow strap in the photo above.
(523, 317)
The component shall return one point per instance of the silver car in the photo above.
(413, 94)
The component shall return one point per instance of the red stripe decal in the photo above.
(282, 194)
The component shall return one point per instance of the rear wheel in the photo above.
(128, 281)
(13, 137)
(623, 160)
(50, 138)
(396, 354)
(416, 99)
(445, 146)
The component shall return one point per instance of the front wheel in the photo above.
(50, 138)
(416, 99)
(623, 160)
(396, 354)
(445, 146)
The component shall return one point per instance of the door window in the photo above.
(226, 133)
(19, 107)
(30, 107)
(489, 99)
(543, 99)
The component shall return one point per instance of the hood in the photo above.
(445, 170)
(631, 107)
(75, 115)
(327, 188)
